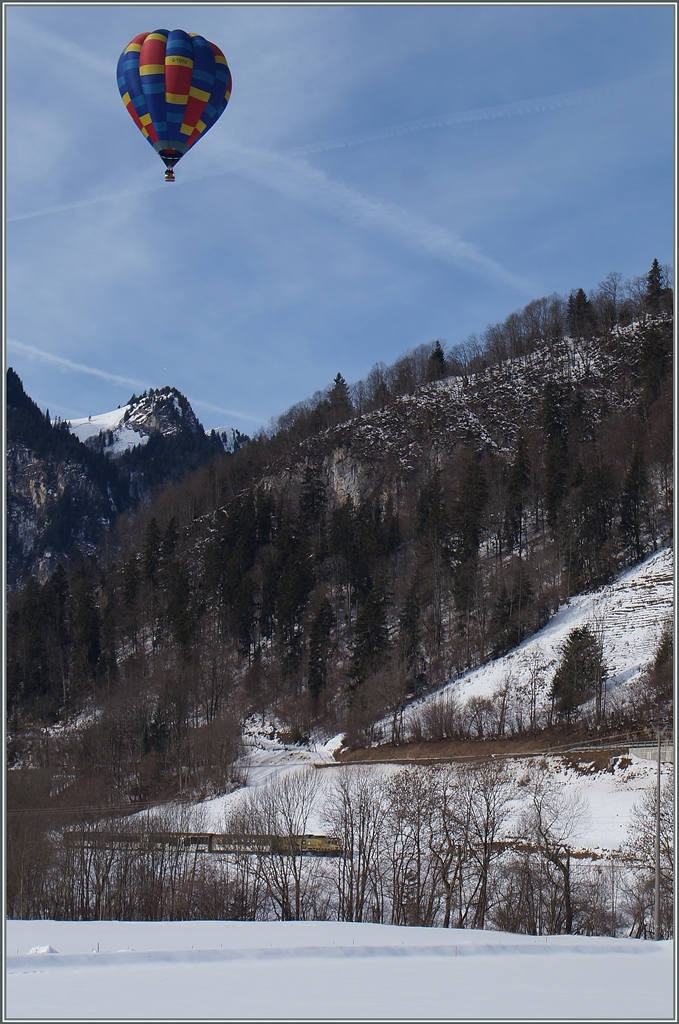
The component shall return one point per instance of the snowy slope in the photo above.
(631, 614)
(609, 796)
(124, 436)
(490, 405)
(633, 610)
(231, 438)
(327, 971)
(124, 428)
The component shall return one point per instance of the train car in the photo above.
(210, 842)
(318, 846)
(322, 846)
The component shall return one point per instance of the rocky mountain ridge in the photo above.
(67, 482)
(163, 411)
(488, 408)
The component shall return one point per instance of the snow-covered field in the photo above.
(340, 971)
(327, 971)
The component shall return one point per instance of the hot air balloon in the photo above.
(175, 85)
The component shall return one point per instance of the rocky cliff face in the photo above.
(67, 482)
(165, 411)
(53, 508)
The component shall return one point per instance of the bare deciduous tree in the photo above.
(355, 813)
(283, 808)
(551, 820)
(639, 889)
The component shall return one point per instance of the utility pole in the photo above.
(656, 920)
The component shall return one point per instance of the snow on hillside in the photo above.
(124, 436)
(228, 970)
(127, 427)
(633, 611)
(608, 795)
(231, 438)
(631, 614)
(490, 404)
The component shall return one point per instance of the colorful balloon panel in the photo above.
(175, 86)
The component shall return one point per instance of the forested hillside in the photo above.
(378, 540)
(63, 496)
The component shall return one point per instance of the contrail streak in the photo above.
(48, 357)
(85, 202)
(296, 179)
(541, 105)
(226, 412)
(522, 107)
(63, 47)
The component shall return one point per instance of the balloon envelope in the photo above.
(175, 85)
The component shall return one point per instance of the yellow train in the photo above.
(210, 842)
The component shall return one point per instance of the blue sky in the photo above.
(382, 177)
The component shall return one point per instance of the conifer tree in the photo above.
(319, 647)
(631, 504)
(243, 615)
(295, 582)
(151, 551)
(654, 287)
(500, 620)
(433, 529)
(466, 521)
(555, 421)
(169, 541)
(466, 514)
(410, 635)
(391, 528)
(340, 400)
(55, 594)
(312, 500)
(342, 544)
(433, 521)
(86, 624)
(654, 363)
(130, 582)
(267, 608)
(371, 634)
(580, 315)
(436, 365)
(588, 523)
(178, 606)
(264, 512)
(580, 673)
(517, 482)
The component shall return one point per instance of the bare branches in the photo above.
(448, 846)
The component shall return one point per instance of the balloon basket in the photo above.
(169, 174)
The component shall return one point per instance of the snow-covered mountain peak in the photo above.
(164, 411)
(108, 430)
